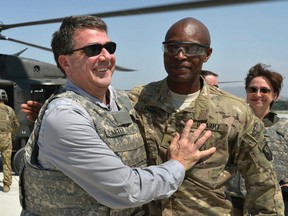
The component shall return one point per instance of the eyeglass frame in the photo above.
(204, 46)
(255, 90)
(87, 47)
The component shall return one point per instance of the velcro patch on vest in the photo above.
(267, 152)
(122, 118)
(255, 130)
(120, 131)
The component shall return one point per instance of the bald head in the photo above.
(191, 29)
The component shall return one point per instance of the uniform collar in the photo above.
(270, 119)
(200, 107)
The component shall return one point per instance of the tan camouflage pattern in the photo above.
(277, 139)
(50, 192)
(236, 133)
(9, 125)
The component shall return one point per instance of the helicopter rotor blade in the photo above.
(20, 52)
(122, 69)
(223, 82)
(2, 37)
(145, 10)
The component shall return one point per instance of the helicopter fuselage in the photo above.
(26, 79)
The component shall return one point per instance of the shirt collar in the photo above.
(111, 93)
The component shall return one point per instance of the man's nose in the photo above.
(181, 53)
(104, 54)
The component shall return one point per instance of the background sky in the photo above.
(242, 35)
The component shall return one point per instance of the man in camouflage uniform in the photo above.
(8, 126)
(236, 132)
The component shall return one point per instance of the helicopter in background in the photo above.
(28, 79)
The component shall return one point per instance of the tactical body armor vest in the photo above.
(50, 192)
(277, 138)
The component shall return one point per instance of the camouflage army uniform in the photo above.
(50, 192)
(236, 133)
(8, 127)
(276, 136)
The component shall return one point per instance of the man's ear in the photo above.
(209, 52)
(64, 62)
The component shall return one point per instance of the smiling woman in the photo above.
(263, 87)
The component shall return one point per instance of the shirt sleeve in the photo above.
(15, 122)
(71, 144)
(254, 162)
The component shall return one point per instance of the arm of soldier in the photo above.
(263, 191)
(15, 123)
(31, 109)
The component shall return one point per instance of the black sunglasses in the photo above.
(95, 49)
(253, 90)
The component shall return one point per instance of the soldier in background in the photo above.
(210, 77)
(8, 126)
(237, 133)
(263, 87)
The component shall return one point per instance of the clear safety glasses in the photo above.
(188, 48)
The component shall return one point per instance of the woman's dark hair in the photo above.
(276, 79)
